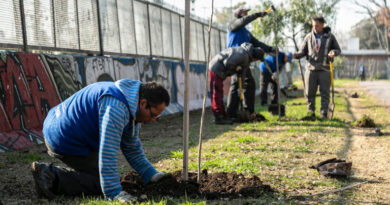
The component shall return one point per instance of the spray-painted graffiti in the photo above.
(31, 84)
(65, 73)
(27, 95)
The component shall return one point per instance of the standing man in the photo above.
(86, 132)
(238, 34)
(269, 75)
(362, 72)
(318, 47)
(228, 62)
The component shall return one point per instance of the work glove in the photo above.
(261, 14)
(274, 77)
(158, 176)
(274, 49)
(125, 197)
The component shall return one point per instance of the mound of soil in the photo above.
(355, 95)
(365, 121)
(211, 186)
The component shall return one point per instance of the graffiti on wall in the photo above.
(27, 95)
(31, 84)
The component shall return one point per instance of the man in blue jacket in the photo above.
(237, 35)
(86, 132)
(268, 75)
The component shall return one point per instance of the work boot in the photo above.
(221, 120)
(309, 117)
(44, 179)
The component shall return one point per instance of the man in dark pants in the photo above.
(319, 46)
(228, 62)
(268, 75)
(238, 34)
(87, 131)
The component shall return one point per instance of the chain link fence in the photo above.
(104, 27)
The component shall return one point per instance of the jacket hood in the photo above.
(327, 29)
(130, 89)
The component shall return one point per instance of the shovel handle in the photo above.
(240, 87)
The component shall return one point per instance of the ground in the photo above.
(275, 155)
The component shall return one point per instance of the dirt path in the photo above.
(369, 154)
(379, 89)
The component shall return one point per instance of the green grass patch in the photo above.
(23, 158)
(247, 139)
(177, 154)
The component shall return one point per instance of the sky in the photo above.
(346, 11)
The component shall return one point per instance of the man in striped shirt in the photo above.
(86, 132)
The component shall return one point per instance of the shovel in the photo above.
(242, 114)
(331, 105)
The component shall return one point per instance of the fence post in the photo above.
(78, 24)
(54, 23)
(150, 35)
(23, 21)
(119, 28)
(99, 28)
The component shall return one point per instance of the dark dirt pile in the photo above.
(365, 121)
(211, 186)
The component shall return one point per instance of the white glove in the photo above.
(274, 77)
(158, 176)
(125, 197)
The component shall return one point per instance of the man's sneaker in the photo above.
(309, 117)
(220, 120)
(44, 179)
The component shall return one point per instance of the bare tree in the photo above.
(379, 13)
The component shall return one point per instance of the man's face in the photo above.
(244, 13)
(147, 113)
(317, 26)
(285, 58)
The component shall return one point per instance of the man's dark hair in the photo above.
(154, 93)
(319, 19)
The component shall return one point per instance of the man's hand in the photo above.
(331, 54)
(295, 56)
(261, 14)
(125, 197)
(274, 50)
(158, 176)
(274, 77)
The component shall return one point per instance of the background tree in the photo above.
(294, 18)
(366, 32)
(379, 14)
(224, 15)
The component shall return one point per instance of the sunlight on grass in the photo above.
(246, 139)
(177, 154)
(280, 152)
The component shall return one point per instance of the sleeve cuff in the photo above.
(148, 174)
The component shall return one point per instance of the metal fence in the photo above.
(103, 27)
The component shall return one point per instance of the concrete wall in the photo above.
(31, 84)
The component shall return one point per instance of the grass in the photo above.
(23, 157)
(278, 152)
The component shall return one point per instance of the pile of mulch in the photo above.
(365, 121)
(212, 186)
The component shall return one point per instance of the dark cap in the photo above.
(239, 11)
(319, 19)
(258, 54)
